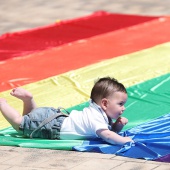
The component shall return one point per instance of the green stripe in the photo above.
(9, 137)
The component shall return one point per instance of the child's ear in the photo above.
(104, 102)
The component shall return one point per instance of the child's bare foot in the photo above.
(21, 93)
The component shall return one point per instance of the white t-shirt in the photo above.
(84, 124)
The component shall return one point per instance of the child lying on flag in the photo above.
(108, 97)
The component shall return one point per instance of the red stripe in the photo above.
(31, 41)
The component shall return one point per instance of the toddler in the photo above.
(108, 97)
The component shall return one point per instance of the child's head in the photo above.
(110, 95)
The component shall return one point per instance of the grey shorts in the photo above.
(31, 121)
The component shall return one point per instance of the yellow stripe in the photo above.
(74, 87)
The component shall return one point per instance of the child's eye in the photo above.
(121, 104)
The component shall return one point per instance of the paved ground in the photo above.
(17, 15)
(16, 158)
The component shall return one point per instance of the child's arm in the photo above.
(112, 137)
(119, 124)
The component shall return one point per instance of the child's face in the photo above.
(114, 105)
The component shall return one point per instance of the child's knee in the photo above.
(16, 122)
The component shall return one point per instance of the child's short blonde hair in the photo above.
(105, 87)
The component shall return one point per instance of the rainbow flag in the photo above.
(59, 63)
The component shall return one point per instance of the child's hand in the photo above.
(122, 121)
(119, 124)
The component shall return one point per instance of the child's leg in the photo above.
(27, 98)
(10, 114)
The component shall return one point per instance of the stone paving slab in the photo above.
(35, 159)
(18, 15)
